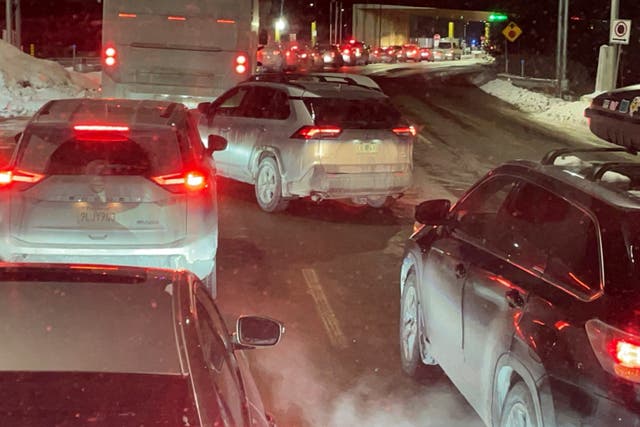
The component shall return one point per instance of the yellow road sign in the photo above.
(512, 31)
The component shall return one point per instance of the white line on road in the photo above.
(327, 315)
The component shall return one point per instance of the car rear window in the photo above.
(60, 151)
(353, 113)
(444, 45)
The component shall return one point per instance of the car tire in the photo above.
(410, 352)
(518, 409)
(268, 186)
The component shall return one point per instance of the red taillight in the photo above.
(107, 133)
(26, 179)
(317, 132)
(110, 56)
(346, 51)
(404, 131)
(617, 351)
(126, 15)
(241, 64)
(180, 182)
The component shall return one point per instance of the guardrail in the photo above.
(81, 64)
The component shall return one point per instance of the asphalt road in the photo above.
(330, 272)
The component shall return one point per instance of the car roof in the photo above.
(88, 319)
(134, 113)
(321, 84)
(584, 176)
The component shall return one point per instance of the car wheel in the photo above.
(269, 187)
(410, 331)
(518, 409)
(209, 282)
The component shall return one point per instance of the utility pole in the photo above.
(614, 49)
(561, 46)
(18, 17)
(9, 21)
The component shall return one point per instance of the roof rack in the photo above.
(339, 78)
(552, 155)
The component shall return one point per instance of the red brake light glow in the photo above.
(617, 351)
(191, 181)
(110, 56)
(126, 15)
(241, 64)
(100, 128)
(19, 176)
(317, 132)
(176, 18)
(405, 131)
(225, 21)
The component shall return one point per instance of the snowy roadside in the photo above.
(553, 113)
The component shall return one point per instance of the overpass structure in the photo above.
(384, 25)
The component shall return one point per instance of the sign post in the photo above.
(511, 32)
(620, 31)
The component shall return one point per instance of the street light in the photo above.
(280, 25)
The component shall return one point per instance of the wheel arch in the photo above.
(510, 368)
(259, 154)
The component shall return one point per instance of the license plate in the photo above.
(367, 147)
(96, 216)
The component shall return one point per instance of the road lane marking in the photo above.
(329, 319)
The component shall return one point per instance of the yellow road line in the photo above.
(329, 319)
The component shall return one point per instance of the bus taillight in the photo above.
(241, 64)
(110, 56)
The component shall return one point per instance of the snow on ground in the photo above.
(26, 83)
(565, 116)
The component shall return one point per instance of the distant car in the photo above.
(320, 135)
(525, 292)
(426, 54)
(447, 50)
(270, 58)
(112, 181)
(391, 54)
(123, 346)
(409, 52)
(615, 116)
(355, 52)
(329, 55)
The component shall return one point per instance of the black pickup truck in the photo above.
(615, 117)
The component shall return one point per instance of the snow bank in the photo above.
(542, 107)
(27, 82)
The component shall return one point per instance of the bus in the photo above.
(180, 50)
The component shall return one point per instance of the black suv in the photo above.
(526, 291)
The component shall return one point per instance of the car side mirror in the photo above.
(204, 107)
(433, 212)
(216, 143)
(256, 331)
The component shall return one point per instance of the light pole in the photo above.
(615, 49)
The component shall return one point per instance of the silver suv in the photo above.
(323, 135)
(112, 182)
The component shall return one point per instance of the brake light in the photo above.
(317, 132)
(27, 179)
(345, 51)
(110, 56)
(176, 18)
(617, 351)
(106, 133)
(180, 182)
(126, 15)
(241, 64)
(404, 131)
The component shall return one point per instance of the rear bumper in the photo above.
(197, 256)
(328, 184)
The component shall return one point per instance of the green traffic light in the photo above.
(496, 17)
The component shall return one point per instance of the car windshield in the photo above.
(354, 113)
(96, 399)
(444, 45)
(61, 151)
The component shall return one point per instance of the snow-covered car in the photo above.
(525, 292)
(615, 116)
(319, 135)
(112, 181)
(123, 346)
(447, 50)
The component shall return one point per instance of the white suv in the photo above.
(108, 181)
(322, 135)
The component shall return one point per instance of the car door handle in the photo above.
(460, 271)
(263, 128)
(225, 129)
(514, 298)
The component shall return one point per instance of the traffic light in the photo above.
(497, 17)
